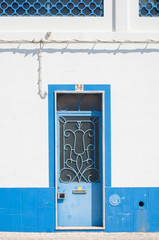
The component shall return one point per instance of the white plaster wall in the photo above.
(133, 75)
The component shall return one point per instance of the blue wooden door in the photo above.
(79, 169)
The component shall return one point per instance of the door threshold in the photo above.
(80, 228)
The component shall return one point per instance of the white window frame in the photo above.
(140, 24)
(60, 24)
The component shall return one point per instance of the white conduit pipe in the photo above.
(42, 95)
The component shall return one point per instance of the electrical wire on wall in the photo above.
(149, 41)
(42, 42)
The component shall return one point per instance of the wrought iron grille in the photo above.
(51, 8)
(79, 102)
(148, 8)
(79, 149)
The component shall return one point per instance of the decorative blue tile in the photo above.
(14, 223)
(29, 207)
(13, 200)
(46, 197)
(38, 211)
(119, 218)
(29, 229)
(3, 220)
(141, 223)
(154, 227)
(119, 223)
(126, 201)
(46, 219)
(2, 198)
(153, 204)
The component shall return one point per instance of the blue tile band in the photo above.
(33, 210)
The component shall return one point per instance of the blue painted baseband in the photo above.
(33, 210)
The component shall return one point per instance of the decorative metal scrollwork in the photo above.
(79, 148)
(79, 102)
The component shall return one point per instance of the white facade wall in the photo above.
(130, 69)
(133, 75)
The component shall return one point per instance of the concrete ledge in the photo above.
(78, 236)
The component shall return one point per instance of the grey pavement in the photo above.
(78, 236)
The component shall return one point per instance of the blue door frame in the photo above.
(106, 130)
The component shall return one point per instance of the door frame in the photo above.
(51, 137)
(103, 162)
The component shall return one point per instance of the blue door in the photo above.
(79, 165)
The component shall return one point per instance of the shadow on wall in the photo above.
(91, 50)
(35, 51)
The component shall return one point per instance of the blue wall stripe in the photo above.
(46, 219)
(38, 211)
(29, 207)
(3, 219)
(2, 198)
(13, 201)
(46, 197)
(153, 204)
(29, 229)
(14, 223)
(141, 223)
